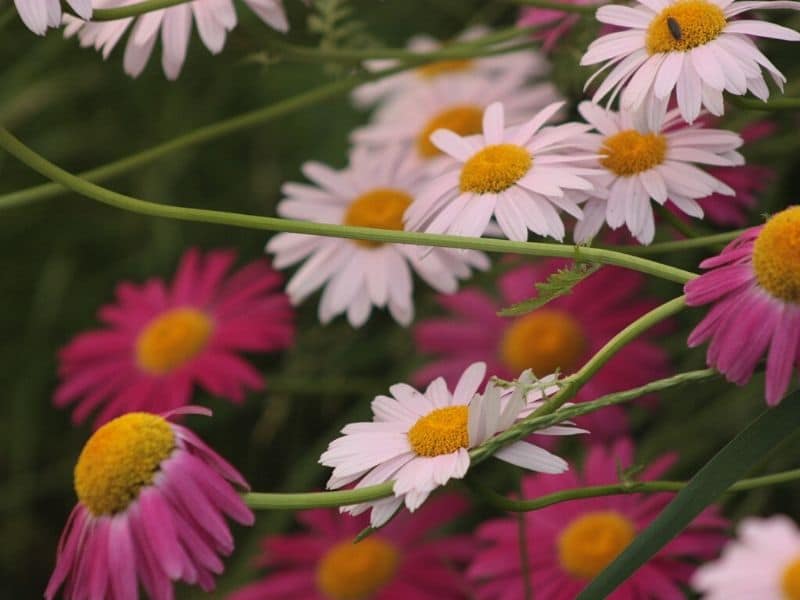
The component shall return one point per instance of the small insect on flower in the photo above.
(674, 28)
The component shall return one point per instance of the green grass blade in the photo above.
(730, 464)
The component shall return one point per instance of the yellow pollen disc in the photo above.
(495, 168)
(464, 120)
(171, 339)
(684, 25)
(356, 571)
(441, 431)
(629, 152)
(444, 67)
(120, 459)
(790, 581)
(543, 341)
(381, 208)
(590, 542)
(776, 256)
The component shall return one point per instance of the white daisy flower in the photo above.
(517, 66)
(374, 191)
(640, 165)
(454, 104)
(214, 19)
(422, 440)
(38, 15)
(762, 564)
(520, 175)
(695, 47)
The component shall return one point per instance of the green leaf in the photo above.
(558, 284)
(730, 464)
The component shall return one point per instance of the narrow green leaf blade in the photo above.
(729, 465)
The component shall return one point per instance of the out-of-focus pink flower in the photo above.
(554, 24)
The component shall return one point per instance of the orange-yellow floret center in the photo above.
(776, 256)
(381, 208)
(684, 25)
(544, 341)
(120, 459)
(790, 580)
(172, 339)
(442, 431)
(495, 169)
(445, 67)
(590, 542)
(465, 119)
(351, 571)
(629, 152)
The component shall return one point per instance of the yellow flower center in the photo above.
(629, 152)
(495, 168)
(684, 25)
(590, 542)
(172, 339)
(543, 341)
(356, 571)
(776, 255)
(444, 67)
(790, 581)
(464, 120)
(120, 459)
(441, 431)
(381, 208)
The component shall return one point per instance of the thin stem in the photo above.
(133, 10)
(581, 9)
(676, 222)
(524, 558)
(90, 190)
(626, 487)
(575, 382)
(262, 501)
(776, 104)
(678, 245)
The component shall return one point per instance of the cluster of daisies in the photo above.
(468, 148)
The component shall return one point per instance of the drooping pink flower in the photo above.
(552, 25)
(161, 339)
(569, 543)
(563, 334)
(152, 501)
(403, 560)
(754, 287)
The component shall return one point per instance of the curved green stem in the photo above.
(260, 501)
(689, 244)
(581, 9)
(133, 10)
(40, 164)
(627, 487)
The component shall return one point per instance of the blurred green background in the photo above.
(61, 258)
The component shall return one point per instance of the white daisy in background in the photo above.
(695, 47)
(519, 66)
(374, 191)
(422, 440)
(38, 15)
(762, 564)
(214, 19)
(454, 104)
(640, 165)
(520, 175)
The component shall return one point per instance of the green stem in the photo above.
(90, 190)
(676, 222)
(261, 501)
(627, 487)
(678, 245)
(574, 383)
(524, 557)
(133, 10)
(776, 104)
(581, 9)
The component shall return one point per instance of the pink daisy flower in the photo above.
(160, 339)
(152, 498)
(552, 25)
(754, 286)
(400, 561)
(763, 563)
(570, 543)
(563, 334)
(38, 15)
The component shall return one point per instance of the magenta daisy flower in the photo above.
(570, 543)
(552, 25)
(160, 339)
(152, 498)
(400, 561)
(563, 334)
(754, 285)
